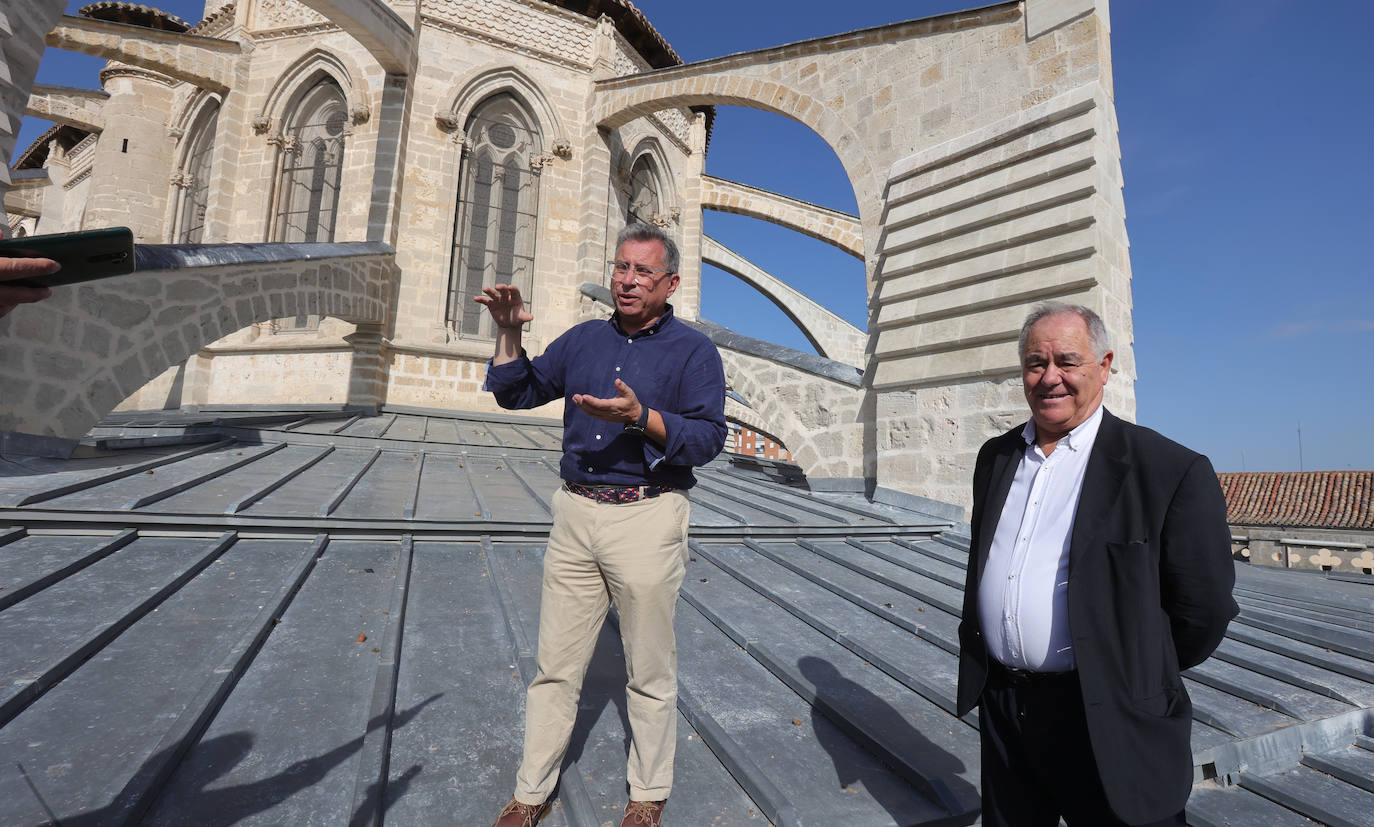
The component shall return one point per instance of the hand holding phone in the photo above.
(12, 295)
(80, 256)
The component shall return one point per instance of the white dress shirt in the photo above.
(1023, 596)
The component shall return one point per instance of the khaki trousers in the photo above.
(632, 554)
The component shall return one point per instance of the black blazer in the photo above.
(1150, 577)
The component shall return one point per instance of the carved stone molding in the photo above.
(261, 123)
(562, 148)
(122, 71)
(176, 133)
(448, 122)
(360, 113)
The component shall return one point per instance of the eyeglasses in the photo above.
(623, 270)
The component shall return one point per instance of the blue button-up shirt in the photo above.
(672, 369)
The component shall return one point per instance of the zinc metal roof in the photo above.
(330, 616)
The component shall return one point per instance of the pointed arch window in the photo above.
(195, 177)
(498, 211)
(646, 201)
(312, 165)
(311, 172)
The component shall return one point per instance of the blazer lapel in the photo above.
(1102, 481)
(999, 484)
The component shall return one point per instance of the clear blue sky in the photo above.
(1245, 136)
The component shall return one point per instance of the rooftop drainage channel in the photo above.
(1281, 749)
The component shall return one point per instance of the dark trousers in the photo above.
(1038, 762)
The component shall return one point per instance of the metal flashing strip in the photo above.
(343, 490)
(1333, 640)
(906, 563)
(890, 582)
(99, 553)
(244, 502)
(98, 637)
(143, 787)
(484, 511)
(884, 610)
(853, 643)
(1290, 646)
(186, 485)
(119, 473)
(369, 788)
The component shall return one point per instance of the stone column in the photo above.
(688, 298)
(367, 377)
(23, 23)
(130, 180)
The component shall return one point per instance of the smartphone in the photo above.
(85, 256)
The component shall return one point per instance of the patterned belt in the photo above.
(615, 495)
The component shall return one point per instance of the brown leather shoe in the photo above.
(643, 814)
(516, 814)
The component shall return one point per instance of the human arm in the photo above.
(624, 408)
(1196, 570)
(508, 313)
(12, 295)
(694, 428)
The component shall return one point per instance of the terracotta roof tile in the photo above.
(1310, 499)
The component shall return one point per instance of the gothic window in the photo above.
(645, 202)
(195, 178)
(498, 206)
(311, 171)
(312, 165)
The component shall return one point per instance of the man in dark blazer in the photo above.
(1100, 566)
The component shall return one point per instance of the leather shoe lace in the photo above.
(517, 814)
(643, 814)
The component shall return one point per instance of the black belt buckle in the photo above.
(650, 491)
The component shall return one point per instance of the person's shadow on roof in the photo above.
(845, 713)
(604, 686)
(186, 797)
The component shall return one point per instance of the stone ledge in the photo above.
(186, 256)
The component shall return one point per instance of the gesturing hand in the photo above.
(23, 268)
(505, 305)
(623, 407)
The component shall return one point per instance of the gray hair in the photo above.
(1097, 331)
(648, 232)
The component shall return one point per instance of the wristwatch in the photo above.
(638, 426)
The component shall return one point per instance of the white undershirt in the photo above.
(1024, 591)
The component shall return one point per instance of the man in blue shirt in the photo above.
(644, 402)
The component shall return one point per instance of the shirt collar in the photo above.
(1079, 438)
(663, 319)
